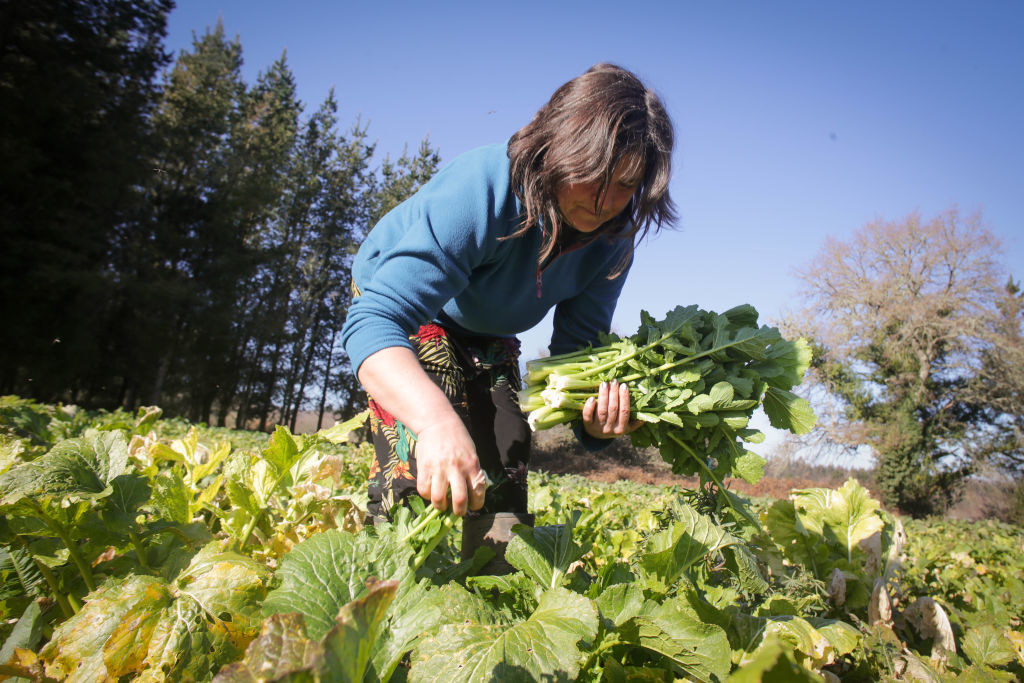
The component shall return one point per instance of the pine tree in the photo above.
(76, 88)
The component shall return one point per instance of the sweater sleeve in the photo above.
(423, 255)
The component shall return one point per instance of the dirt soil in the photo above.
(609, 470)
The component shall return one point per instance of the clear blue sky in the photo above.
(794, 120)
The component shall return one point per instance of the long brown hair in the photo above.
(579, 136)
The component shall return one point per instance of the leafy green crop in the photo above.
(695, 379)
(254, 563)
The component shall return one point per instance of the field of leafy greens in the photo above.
(135, 548)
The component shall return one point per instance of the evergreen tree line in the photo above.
(173, 235)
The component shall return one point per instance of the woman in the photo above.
(480, 253)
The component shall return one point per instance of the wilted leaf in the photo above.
(837, 587)
(77, 644)
(125, 650)
(1016, 639)
(184, 628)
(282, 649)
(880, 607)
(931, 621)
(230, 588)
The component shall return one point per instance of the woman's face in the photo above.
(576, 201)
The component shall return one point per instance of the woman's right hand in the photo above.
(445, 453)
(446, 457)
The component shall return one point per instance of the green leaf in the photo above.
(348, 646)
(544, 552)
(620, 602)
(74, 470)
(614, 672)
(986, 645)
(773, 663)
(744, 564)
(798, 545)
(750, 466)
(281, 652)
(721, 394)
(671, 552)
(743, 315)
(281, 451)
(26, 633)
(170, 497)
(128, 493)
(339, 433)
(786, 410)
(20, 575)
(675, 630)
(416, 610)
(544, 647)
(331, 569)
(843, 637)
(792, 359)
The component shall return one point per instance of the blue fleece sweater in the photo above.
(438, 256)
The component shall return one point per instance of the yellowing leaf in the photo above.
(77, 645)
(128, 644)
(1016, 639)
(848, 514)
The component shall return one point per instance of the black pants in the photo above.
(480, 377)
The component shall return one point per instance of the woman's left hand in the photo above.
(607, 416)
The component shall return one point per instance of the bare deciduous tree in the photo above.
(901, 316)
